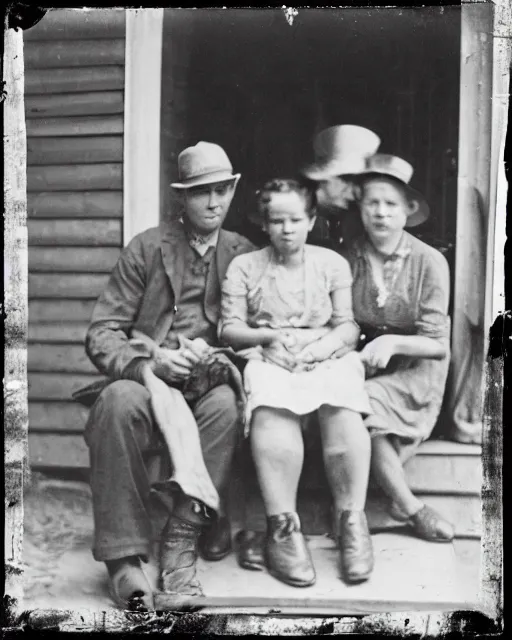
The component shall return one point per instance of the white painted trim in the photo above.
(141, 162)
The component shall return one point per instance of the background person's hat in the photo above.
(204, 163)
(341, 150)
(399, 170)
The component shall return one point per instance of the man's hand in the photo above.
(276, 353)
(174, 365)
(377, 353)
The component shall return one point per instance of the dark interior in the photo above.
(261, 88)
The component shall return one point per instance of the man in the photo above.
(166, 285)
(340, 153)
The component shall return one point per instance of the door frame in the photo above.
(484, 75)
(142, 97)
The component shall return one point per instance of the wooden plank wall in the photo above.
(74, 102)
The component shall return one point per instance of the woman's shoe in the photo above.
(287, 555)
(250, 547)
(430, 525)
(129, 585)
(215, 541)
(355, 545)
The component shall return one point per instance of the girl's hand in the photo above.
(276, 353)
(377, 353)
(313, 352)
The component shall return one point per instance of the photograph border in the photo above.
(16, 466)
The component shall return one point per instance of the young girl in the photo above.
(288, 307)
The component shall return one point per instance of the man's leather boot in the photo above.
(178, 547)
(215, 541)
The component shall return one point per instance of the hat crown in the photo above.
(390, 165)
(345, 141)
(202, 159)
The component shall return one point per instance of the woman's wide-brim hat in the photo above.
(341, 150)
(398, 170)
(204, 163)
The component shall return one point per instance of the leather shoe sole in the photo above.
(291, 581)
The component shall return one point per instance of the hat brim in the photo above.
(212, 178)
(421, 215)
(317, 172)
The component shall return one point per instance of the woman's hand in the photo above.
(377, 353)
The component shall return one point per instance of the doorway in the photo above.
(262, 89)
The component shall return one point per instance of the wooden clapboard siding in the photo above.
(74, 106)
(62, 232)
(75, 204)
(66, 358)
(57, 416)
(75, 126)
(84, 177)
(46, 387)
(69, 53)
(77, 150)
(90, 259)
(57, 451)
(57, 311)
(78, 285)
(72, 24)
(57, 332)
(42, 82)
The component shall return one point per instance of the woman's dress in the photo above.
(406, 397)
(261, 292)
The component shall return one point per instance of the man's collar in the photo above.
(199, 242)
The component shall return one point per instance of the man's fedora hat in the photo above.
(341, 150)
(204, 163)
(399, 170)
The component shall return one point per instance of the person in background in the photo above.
(292, 301)
(400, 290)
(340, 154)
(166, 286)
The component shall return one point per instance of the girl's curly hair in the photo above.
(286, 185)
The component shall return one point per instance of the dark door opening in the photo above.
(262, 89)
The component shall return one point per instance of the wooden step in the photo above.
(439, 467)
(444, 475)
(314, 510)
(406, 577)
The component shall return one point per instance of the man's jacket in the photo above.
(143, 294)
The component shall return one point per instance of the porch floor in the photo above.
(410, 574)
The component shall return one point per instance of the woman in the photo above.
(400, 296)
(289, 308)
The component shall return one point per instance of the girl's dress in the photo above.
(261, 292)
(406, 397)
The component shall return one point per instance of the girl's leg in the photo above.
(389, 473)
(278, 453)
(346, 450)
